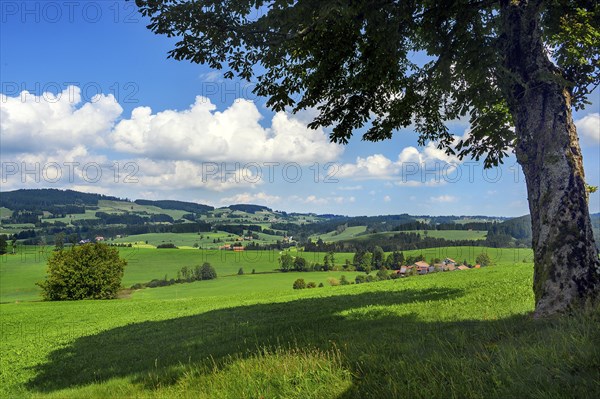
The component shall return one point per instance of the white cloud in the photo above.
(387, 198)
(417, 183)
(261, 198)
(166, 175)
(212, 76)
(350, 188)
(48, 122)
(443, 199)
(373, 166)
(588, 128)
(202, 133)
(411, 163)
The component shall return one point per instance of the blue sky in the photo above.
(91, 102)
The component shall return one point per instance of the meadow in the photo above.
(204, 240)
(457, 334)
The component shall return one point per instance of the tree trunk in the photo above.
(567, 269)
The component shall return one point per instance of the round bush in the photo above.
(90, 271)
(299, 284)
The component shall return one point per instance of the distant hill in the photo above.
(249, 208)
(49, 197)
(191, 207)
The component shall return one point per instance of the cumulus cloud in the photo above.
(202, 133)
(588, 128)
(48, 122)
(166, 174)
(373, 166)
(260, 198)
(443, 199)
(411, 162)
(314, 200)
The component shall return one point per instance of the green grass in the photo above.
(445, 234)
(462, 334)
(333, 236)
(20, 272)
(204, 240)
(453, 234)
(357, 233)
(459, 334)
(5, 212)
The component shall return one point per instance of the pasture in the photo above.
(469, 333)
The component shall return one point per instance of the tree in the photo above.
(514, 68)
(240, 272)
(299, 264)
(382, 274)
(394, 260)
(378, 257)
(483, 259)
(299, 284)
(366, 262)
(286, 262)
(90, 271)
(208, 272)
(3, 244)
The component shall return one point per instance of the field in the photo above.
(461, 334)
(204, 240)
(333, 236)
(357, 233)
(20, 272)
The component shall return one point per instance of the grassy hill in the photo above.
(464, 334)
(333, 236)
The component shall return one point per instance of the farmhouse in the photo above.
(462, 267)
(449, 261)
(422, 267)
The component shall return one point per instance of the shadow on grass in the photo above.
(376, 346)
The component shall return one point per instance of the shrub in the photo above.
(90, 271)
(333, 281)
(299, 284)
(360, 279)
(369, 279)
(483, 259)
(208, 272)
(311, 284)
(241, 271)
(382, 274)
(395, 276)
(253, 271)
(321, 285)
(167, 245)
(344, 281)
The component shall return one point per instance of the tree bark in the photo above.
(567, 269)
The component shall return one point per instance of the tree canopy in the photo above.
(370, 78)
(514, 68)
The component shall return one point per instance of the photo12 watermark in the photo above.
(72, 91)
(54, 12)
(68, 172)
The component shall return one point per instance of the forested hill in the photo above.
(177, 205)
(36, 199)
(249, 208)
